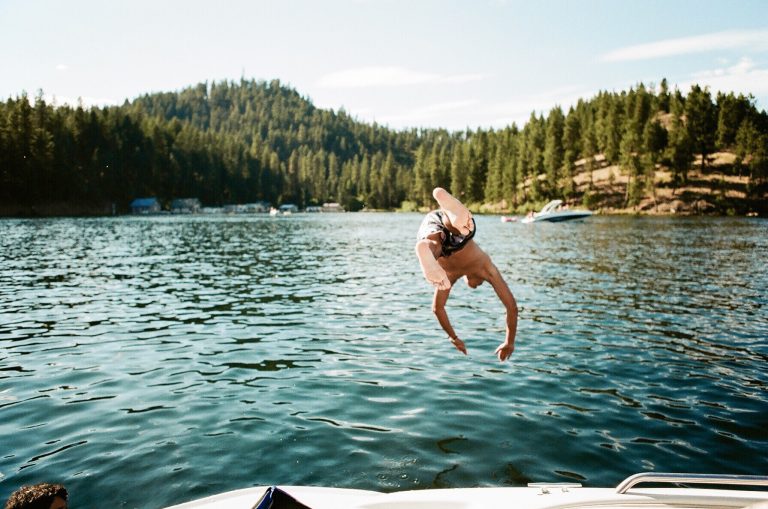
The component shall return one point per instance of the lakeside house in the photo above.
(246, 208)
(325, 207)
(185, 206)
(234, 208)
(257, 207)
(332, 207)
(145, 206)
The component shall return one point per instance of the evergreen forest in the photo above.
(241, 142)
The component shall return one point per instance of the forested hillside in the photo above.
(239, 142)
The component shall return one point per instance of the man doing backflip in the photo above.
(447, 251)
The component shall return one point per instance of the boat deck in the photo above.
(536, 496)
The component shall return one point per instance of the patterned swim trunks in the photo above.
(451, 242)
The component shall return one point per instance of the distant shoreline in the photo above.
(687, 210)
(717, 190)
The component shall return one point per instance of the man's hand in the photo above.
(459, 344)
(504, 351)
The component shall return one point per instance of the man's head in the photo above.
(473, 281)
(38, 496)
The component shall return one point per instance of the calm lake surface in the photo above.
(150, 361)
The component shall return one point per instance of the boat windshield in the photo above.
(551, 206)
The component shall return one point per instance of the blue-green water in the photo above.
(149, 361)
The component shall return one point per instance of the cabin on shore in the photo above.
(332, 207)
(145, 206)
(257, 207)
(288, 208)
(185, 206)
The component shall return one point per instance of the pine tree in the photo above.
(493, 185)
(459, 172)
(478, 167)
(664, 97)
(752, 151)
(630, 163)
(422, 187)
(510, 176)
(654, 143)
(553, 148)
(572, 138)
(613, 130)
(731, 111)
(701, 122)
(589, 143)
(680, 146)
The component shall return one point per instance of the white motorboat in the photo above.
(554, 212)
(670, 491)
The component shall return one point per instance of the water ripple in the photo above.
(148, 352)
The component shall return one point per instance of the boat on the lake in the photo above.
(670, 491)
(508, 219)
(554, 211)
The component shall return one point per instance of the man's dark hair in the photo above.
(37, 496)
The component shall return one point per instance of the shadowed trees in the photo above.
(227, 142)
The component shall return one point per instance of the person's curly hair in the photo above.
(37, 496)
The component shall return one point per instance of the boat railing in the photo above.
(659, 477)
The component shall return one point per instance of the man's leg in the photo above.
(459, 216)
(432, 270)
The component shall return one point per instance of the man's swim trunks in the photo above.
(451, 242)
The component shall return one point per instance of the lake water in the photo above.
(150, 361)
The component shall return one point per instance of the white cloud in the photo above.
(755, 40)
(62, 67)
(519, 110)
(474, 113)
(743, 77)
(425, 114)
(389, 76)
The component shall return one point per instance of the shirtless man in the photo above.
(446, 251)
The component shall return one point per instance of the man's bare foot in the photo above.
(432, 270)
(458, 215)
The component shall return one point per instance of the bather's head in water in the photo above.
(38, 496)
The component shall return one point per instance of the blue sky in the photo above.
(410, 63)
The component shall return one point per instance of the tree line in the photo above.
(240, 142)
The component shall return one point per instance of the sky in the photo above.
(453, 64)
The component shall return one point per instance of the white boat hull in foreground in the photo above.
(536, 496)
(553, 214)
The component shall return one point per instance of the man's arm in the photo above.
(505, 349)
(438, 308)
